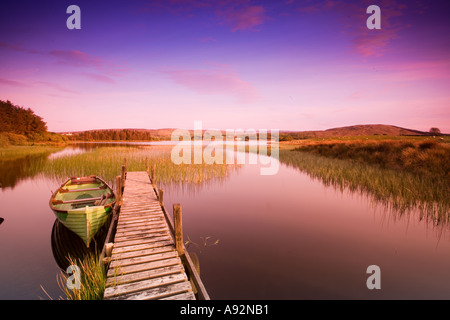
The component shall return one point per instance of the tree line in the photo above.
(112, 135)
(18, 120)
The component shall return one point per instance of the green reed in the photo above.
(399, 190)
(92, 279)
(107, 162)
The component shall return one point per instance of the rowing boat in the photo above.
(83, 205)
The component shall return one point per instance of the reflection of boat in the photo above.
(67, 244)
(83, 204)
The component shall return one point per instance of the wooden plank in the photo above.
(139, 230)
(181, 296)
(143, 252)
(133, 219)
(133, 211)
(142, 246)
(156, 293)
(149, 240)
(142, 227)
(143, 235)
(141, 221)
(137, 260)
(120, 270)
(132, 287)
(143, 275)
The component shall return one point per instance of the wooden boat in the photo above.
(83, 205)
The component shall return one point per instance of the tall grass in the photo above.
(93, 279)
(423, 157)
(400, 190)
(107, 162)
(16, 152)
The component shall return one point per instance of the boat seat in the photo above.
(82, 190)
(84, 200)
(76, 200)
(83, 180)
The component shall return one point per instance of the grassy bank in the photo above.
(425, 157)
(8, 139)
(16, 152)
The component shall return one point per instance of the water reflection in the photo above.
(15, 170)
(67, 244)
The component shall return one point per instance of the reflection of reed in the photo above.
(68, 247)
(399, 192)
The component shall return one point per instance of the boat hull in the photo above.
(84, 222)
(77, 206)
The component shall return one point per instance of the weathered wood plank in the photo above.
(121, 270)
(143, 235)
(156, 293)
(142, 223)
(181, 296)
(143, 252)
(143, 275)
(137, 260)
(127, 288)
(136, 208)
(142, 246)
(136, 230)
(148, 240)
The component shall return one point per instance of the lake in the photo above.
(282, 236)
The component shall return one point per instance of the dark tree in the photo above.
(19, 120)
(435, 131)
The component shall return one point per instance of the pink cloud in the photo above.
(99, 77)
(76, 58)
(218, 81)
(19, 48)
(358, 95)
(56, 86)
(415, 71)
(12, 83)
(246, 18)
(353, 16)
(238, 14)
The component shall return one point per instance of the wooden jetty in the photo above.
(144, 252)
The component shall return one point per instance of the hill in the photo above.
(356, 130)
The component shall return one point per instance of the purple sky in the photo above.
(291, 65)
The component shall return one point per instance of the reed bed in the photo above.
(107, 163)
(16, 152)
(399, 190)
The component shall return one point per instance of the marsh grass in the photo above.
(16, 152)
(426, 156)
(107, 162)
(93, 279)
(399, 190)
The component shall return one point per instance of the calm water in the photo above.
(257, 237)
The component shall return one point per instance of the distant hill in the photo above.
(165, 133)
(356, 130)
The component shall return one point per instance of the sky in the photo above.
(287, 65)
